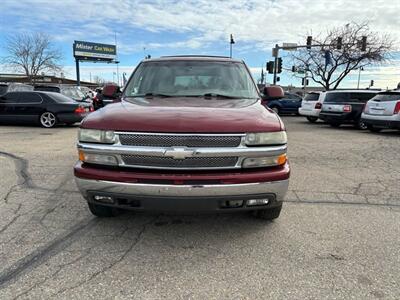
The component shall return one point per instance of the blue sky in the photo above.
(172, 27)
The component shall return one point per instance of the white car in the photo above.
(382, 111)
(311, 106)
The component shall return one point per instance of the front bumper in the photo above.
(178, 198)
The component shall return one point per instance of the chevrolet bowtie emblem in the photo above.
(178, 153)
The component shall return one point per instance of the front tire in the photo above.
(268, 214)
(48, 119)
(276, 109)
(102, 211)
(312, 119)
(361, 125)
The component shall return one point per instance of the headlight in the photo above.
(96, 136)
(269, 161)
(266, 138)
(94, 158)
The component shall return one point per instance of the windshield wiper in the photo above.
(214, 95)
(149, 95)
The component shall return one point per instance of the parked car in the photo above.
(110, 93)
(190, 134)
(45, 108)
(382, 111)
(311, 106)
(14, 87)
(70, 91)
(345, 107)
(289, 104)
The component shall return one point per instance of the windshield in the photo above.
(73, 93)
(60, 98)
(387, 97)
(191, 78)
(311, 97)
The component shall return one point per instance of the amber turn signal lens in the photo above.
(282, 159)
(81, 155)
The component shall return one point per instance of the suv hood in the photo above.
(189, 115)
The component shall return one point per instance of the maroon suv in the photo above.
(190, 134)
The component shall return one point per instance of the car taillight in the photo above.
(346, 108)
(80, 110)
(95, 99)
(397, 108)
(91, 108)
(318, 105)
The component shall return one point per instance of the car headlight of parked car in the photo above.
(266, 138)
(96, 136)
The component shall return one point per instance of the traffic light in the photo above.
(339, 43)
(279, 65)
(294, 69)
(372, 83)
(304, 81)
(270, 67)
(278, 78)
(309, 42)
(364, 43)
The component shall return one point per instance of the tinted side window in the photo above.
(29, 98)
(10, 98)
(337, 97)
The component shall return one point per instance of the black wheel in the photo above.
(268, 214)
(373, 129)
(361, 125)
(48, 119)
(102, 211)
(312, 119)
(276, 109)
(336, 125)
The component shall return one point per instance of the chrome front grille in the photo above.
(171, 163)
(187, 140)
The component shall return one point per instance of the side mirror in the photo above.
(273, 92)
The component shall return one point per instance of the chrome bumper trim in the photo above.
(279, 188)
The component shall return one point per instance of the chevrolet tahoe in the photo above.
(189, 135)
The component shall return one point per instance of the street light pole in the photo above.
(359, 75)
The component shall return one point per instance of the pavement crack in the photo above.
(111, 265)
(42, 254)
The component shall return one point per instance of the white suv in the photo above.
(382, 111)
(311, 106)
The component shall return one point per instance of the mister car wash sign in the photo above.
(94, 51)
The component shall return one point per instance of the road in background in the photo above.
(337, 237)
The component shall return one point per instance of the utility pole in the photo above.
(117, 58)
(275, 53)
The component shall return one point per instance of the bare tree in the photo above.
(32, 54)
(328, 65)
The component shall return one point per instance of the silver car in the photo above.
(383, 111)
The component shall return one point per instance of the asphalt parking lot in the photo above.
(337, 237)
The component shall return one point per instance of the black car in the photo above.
(45, 108)
(345, 107)
(289, 104)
